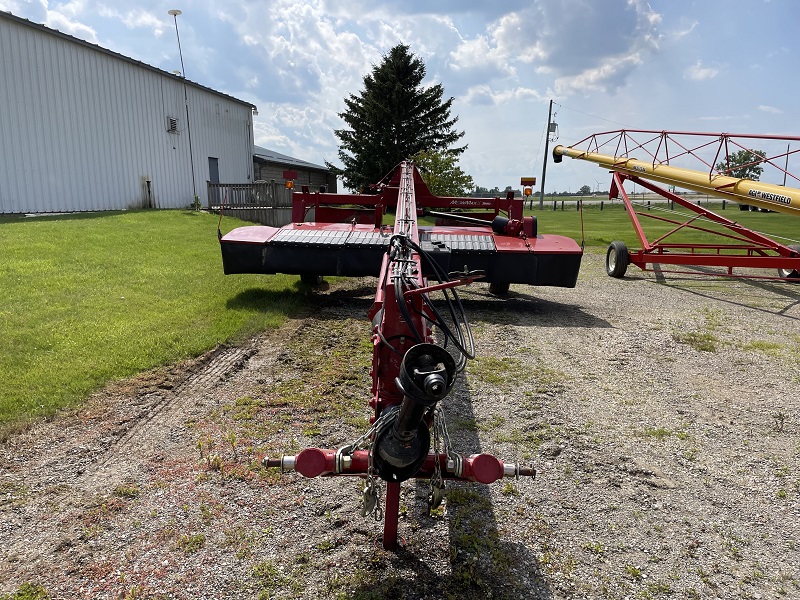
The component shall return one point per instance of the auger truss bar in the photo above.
(700, 162)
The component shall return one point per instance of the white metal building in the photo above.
(84, 128)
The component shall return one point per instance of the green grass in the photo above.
(89, 298)
(28, 591)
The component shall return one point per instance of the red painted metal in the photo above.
(745, 248)
(370, 207)
(478, 468)
(401, 319)
(739, 247)
(390, 516)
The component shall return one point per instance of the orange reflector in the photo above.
(289, 185)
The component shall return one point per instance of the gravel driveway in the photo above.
(660, 411)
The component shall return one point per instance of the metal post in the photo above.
(546, 148)
(175, 13)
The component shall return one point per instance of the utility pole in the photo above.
(546, 149)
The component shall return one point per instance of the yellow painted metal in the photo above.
(745, 191)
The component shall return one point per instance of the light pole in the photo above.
(174, 13)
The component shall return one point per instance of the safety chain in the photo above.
(440, 434)
(372, 490)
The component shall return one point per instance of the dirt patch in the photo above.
(660, 413)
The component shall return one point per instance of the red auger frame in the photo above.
(741, 247)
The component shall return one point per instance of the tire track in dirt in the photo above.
(158, 431)
(68, 470)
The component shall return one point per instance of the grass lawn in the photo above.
(612, 223)
(89, 298)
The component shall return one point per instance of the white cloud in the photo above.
(477, 58)
(484, 94)
(62, 22)
(686, 29)
(134, 19)
(770, 109)
(602, 78)
(697, 72)
(12, 7)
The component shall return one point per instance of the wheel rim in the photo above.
(612, 259)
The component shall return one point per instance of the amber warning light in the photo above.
(527, 183)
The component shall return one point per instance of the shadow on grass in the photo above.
(84, 216)
(289, 302)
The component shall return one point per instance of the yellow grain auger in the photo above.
(665, 157)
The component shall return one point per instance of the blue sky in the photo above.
(705, 65)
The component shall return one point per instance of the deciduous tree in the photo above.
(442, 175)
(743, 164)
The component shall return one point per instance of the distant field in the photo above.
(601, 227)
(89, 298)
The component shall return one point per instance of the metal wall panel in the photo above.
(83, 129)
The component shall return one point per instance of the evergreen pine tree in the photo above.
(393, 118)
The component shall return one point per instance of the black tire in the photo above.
(790, 273)
(499, 288)
(744, 207)
(617, 259)
(311, 280)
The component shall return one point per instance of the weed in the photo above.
(659, 433)
(782, 494)
(769, 348)
(271, 578)
(780, 420)
(595, 548)
(91, 532)
(500, 372)
(134, 592)
(245, 408)
(214, 462)
(326, 545)
(633, 572)
(239, 539)
(466, 424)
(782, 471)
(509, 489)
(531, 438)
(191, 543)
(28, 591)
(702, 342)
(232, 439)
(659, 587)
(127, 491)
(11, 492)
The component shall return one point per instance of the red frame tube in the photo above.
(755, 250)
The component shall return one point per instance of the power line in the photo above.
(594, 116)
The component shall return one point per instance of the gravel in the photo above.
(660, 412)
